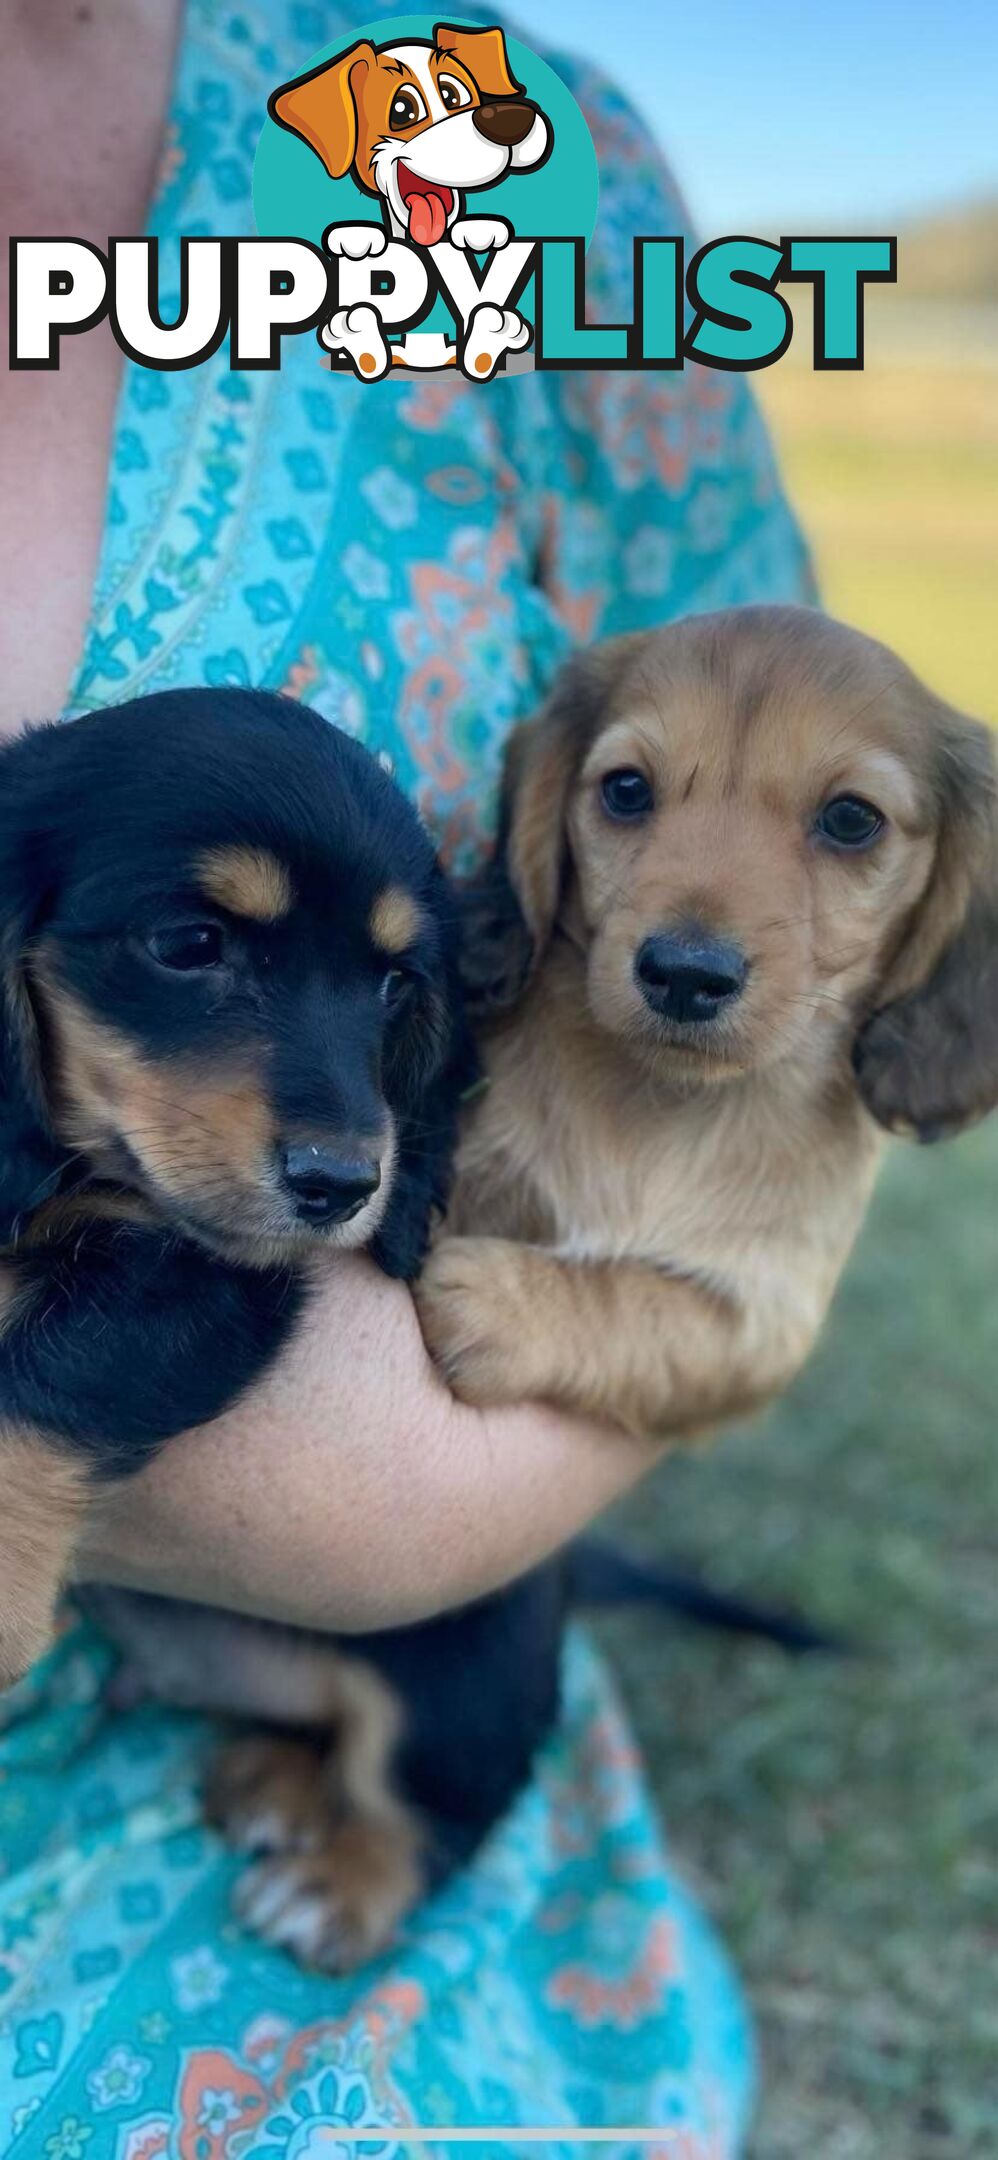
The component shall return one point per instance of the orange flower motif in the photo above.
(302, 675)
(172, 159)
(623, 2002)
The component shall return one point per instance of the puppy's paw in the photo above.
(265, 1795)
(475, 1311)
(335, 1908)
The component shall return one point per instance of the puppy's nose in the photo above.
(507, 124)
(324, 1187)
(687, 977)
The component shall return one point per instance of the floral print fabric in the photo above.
(412, 558)
(565, 1978)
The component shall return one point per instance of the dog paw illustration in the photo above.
(355, 241)
(492, 332)
(357, 332)
(475, 1312)
(479, 235)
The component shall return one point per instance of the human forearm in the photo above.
(349, 1490)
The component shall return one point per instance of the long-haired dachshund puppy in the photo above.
(755, 868)
(229, 1043)
(744, 913)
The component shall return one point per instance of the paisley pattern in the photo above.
(566, 1978)
(412, 558)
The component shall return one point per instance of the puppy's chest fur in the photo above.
(755, 1190)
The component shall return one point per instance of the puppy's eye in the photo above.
(394, 987)
(453, 94)
(849, 821)
(187, 947)
(406, 108)
(626, 793)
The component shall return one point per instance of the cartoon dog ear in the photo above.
(483, 53)
(322, 107)
(927, 1060)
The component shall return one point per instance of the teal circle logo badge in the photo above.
(426, 160)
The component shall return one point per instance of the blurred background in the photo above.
(840, 1815)
(872, 116)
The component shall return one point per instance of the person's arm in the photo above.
(350, 1490)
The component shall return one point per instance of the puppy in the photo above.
(359, 1776)
(749, 873)
(743, 914)
(230, 1044)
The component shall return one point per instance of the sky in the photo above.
(848, 114)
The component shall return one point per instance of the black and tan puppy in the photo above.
(232, 1043)
(229, 1042)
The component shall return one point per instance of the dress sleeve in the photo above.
(660, 491)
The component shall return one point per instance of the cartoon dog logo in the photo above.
(419, 124)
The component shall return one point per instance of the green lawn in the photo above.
(840, 1817)
(895, 473)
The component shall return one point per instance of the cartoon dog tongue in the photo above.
(427, 218)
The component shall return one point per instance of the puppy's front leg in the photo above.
(43, 1496)
(116, 1336)
(654, 1353)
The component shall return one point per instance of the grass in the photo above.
(840, 1815)
(896, 473)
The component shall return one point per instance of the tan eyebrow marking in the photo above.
(394, 919)
(247, 881)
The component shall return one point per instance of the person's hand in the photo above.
(349, 1490)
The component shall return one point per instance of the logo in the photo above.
(427, 159)
(424, 195)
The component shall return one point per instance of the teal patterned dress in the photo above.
(412, 558)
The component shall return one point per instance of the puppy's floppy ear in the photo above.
(430, 1068)
(322, 107)
(483, 53)
(927, 1060)
(510, 909)
(29, 1154)
(432, 1038)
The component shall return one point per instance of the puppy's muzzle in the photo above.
(327, 1188)
(689, 978)
(507, 123)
